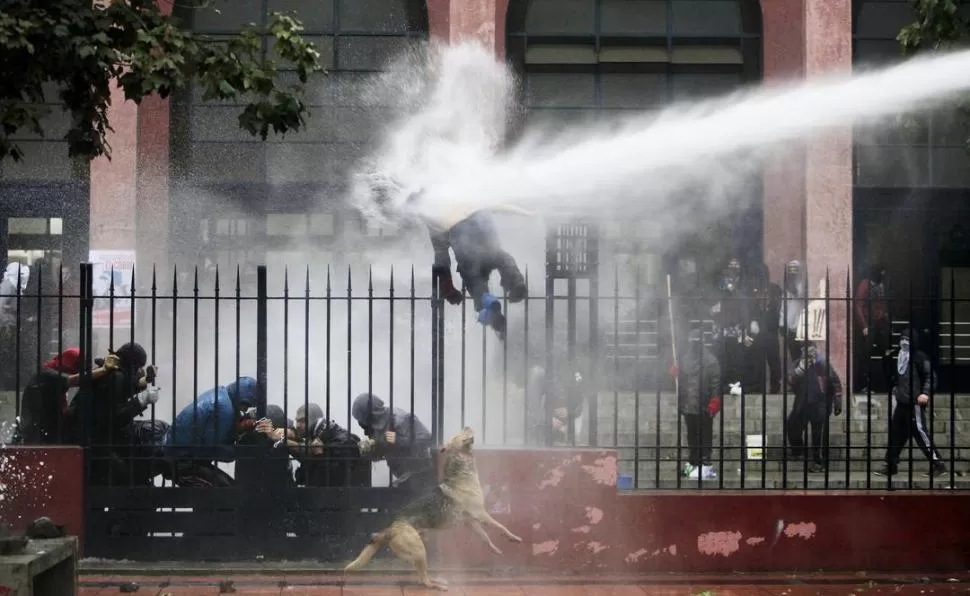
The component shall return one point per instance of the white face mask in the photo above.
(902, 361)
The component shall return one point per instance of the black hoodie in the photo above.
(917, 377)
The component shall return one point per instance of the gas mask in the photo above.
(732, 276)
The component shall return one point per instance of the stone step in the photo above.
(796, 477)
(837, 425)
(775, 453)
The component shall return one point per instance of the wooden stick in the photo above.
(673, 335)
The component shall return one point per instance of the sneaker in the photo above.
(885, 471)
(708, 473)
(691, 471)
(816, 467)
(936, 470)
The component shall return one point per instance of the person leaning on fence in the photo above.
(818, 394)
(329, 454)
(206, 431)
(912, 379)
(699, 402)
(43, 416)
(264, 439)
(400, 439)
(103, 411)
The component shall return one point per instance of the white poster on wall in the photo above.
(112, 268)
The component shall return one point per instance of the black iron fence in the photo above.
(638, 372)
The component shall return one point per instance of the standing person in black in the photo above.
(912, 378)
(699, 402)
(818, 394)
(732, 331)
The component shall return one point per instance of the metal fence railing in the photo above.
(632, 372)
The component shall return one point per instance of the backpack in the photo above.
(42, 405)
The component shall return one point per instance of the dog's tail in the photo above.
(375, 544)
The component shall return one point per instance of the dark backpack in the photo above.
(41, 408)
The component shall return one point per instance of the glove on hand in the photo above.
(714, 406)
(148, 396)
(365, 446)
(111, 362)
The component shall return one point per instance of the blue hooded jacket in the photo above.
(206, 428)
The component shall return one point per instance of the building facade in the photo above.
(185, 185)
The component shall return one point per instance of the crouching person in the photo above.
(329, 454)
(818, 394)
(205, 432)
(699, 402)
(398, 438)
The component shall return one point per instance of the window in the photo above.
(355, 38)
(912, 150)
(596, 55)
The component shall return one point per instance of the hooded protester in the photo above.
(397, 437)
(818, 394)
(699, 402)
(795, 302)
(912, 380)
(329, 454)
(206, 431)
(207, 428)
(873, 325)
(554, 405)
(43, 404)
(732, 327)
(102, 412)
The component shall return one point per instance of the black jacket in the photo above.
(810, 383)
(699, 380)
(103, 411)
(917, 378)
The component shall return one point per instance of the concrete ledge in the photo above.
(45, 568)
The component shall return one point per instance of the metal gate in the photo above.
(282, 336)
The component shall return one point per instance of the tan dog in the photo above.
(459, 498)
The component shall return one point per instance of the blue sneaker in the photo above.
(490, 305)
(491, 314)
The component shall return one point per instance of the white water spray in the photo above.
(447, 144)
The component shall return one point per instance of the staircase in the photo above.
(659, 468)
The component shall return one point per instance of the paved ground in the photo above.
(660, 585)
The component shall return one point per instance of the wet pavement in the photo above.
(470, 585)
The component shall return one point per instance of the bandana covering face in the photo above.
(902, 361)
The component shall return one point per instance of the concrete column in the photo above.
(828, 172)
(481, 20)
(113, 181)
(151, 186)
(808, 199)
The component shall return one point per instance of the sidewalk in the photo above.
(477, 585)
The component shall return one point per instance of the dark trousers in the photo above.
(700, 438)
(764, 356)
(807, 415)
(869, 354)
(909, 421)
(731, 355)
(478, 253)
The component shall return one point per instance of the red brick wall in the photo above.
(42, 481)
(565, 508)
